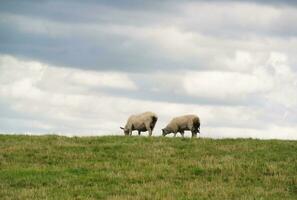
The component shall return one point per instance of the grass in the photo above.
(115, 167)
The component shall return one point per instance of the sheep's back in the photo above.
(183, 121)
(138, 120)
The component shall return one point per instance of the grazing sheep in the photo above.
(181, 124)
(142, 122)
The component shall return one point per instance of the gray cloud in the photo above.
(235, 65)
(92, 35)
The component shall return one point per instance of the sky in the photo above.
(81, 68)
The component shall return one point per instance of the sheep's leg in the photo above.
(182, 133)
(194, 133)
(148, 128)
(150, 132)
(196, 129)
(174, 134)
(130, 132)
(139, 132)
(193, 129)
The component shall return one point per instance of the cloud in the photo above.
(271, 79)
(269, 133)
(41, 98)
(24, 74)
(47, 96)
(180, 36)
(83, 68)
(218, 84)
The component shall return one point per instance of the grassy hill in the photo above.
(53, 167)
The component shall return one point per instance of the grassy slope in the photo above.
(55, 167)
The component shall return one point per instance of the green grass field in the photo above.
(118, 167)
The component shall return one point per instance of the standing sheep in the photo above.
(142, 122)
(181, 124)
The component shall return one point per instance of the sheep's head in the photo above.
(165, 131)
(126, 131)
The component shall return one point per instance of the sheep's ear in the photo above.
(121, 128)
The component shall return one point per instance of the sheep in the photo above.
(181, 124)
(142, 122)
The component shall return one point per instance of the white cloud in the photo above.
(221, 85)
(103, 79)
(45, 109)
(271, 132)
(239, 58)
(228, 16)
(271, 79)
(23, 74)
(56, 94)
